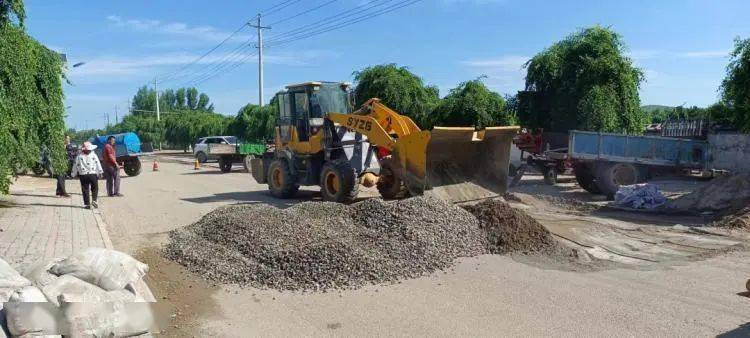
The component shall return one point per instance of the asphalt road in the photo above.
(483, 296)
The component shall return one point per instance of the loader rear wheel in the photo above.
(281, 181)
(389, 185)
(338, 182)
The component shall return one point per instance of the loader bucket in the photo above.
(462, 164)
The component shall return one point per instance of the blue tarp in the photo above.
(125, 143)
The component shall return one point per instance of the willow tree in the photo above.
(584, 82)
(31, 97)
(398, 88)
(471, 104)
(735, 89)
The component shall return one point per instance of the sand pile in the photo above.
(320, 245)
(725, 193)
(510, 230)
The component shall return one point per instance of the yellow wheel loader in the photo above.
(320, 141)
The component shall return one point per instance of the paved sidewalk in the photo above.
(35, 225)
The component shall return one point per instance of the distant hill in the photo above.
(653, 107)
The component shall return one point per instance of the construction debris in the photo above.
(321, 245)
(725, 193)
(510, 230)
(639, 196)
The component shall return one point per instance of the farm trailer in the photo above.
(602, 162)
(127, 150)
(229, 154)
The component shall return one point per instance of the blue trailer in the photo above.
(604, 161)
(127, 150)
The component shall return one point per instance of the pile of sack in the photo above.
(640, 196)
(89, 294)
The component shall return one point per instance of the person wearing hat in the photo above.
(88, 168)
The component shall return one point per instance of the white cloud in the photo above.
(505, 74)
(705, 54)
(504, 63)
(207, 33)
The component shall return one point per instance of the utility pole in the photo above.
(260, 58)
(158, 116)
(116, 115)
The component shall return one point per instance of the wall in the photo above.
(730, 151)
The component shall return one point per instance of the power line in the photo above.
(171, 75)
(289, 3)
(229, 57)
(332, 18)
(274, 6)
(361, 18)
(302, 13)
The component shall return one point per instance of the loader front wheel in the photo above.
(281, 181)
(338, 182)
(389, 185)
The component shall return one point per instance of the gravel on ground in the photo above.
(322, 245)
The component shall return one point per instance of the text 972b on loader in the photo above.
(319, 140)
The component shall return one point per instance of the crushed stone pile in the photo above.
(321, 245)
(724, 193)
(510, 230)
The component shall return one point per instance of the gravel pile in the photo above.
(321, 245)
(509, 230)
(737, 220)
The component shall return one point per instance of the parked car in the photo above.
(200, 149)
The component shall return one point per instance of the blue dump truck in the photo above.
(127, 150)
(603, 162)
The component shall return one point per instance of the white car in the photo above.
(200, 149)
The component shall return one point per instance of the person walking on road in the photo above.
(111, 168)
(72, 151)
(88, 169)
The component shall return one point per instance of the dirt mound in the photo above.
(509, 230)
(725, 193)
(320, 245)
(740, 219)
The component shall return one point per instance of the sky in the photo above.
(682, 46)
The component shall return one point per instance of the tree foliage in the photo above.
(31, 98)
(398, 88)
(735, 88)
(254, 123)
(170, 100)
(182, 130)
(583, 82)
(10, 9)
(471, 104)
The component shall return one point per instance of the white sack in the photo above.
(108, 269)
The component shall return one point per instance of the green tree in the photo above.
(180, 96)
(144, 101)
(181, 130)
(10, 9)
(202, 102)
(192, 98)
(31, 97)
(471, 104)
(735, 88)
(399, 89)
(583, 82)
(254, 123)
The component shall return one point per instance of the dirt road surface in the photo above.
(670, 292)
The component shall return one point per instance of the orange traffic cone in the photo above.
(197, 165)
(156, 165)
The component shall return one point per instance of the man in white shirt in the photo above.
(88, 168)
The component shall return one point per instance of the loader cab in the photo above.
(302, 108)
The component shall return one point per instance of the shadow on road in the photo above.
(256, 197)
(214, 172)
(741, 331)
